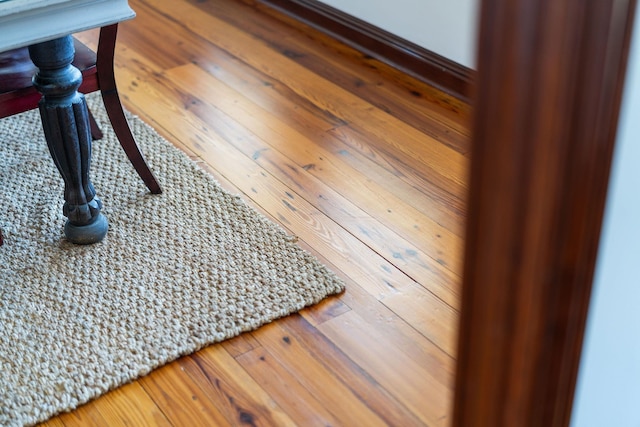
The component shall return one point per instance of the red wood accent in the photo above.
(550, 78)
(113, 106)
(18, 95)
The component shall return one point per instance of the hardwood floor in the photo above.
(366, 165)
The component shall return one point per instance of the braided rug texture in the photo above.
(176, 272)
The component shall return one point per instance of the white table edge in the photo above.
(56, 18)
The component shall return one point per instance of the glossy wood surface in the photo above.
(550, 80)
(367, 166)
(425, 65)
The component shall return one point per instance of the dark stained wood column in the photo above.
(550, 78)
(65, 120)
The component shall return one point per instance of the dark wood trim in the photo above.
(408, 57)
(550, 78)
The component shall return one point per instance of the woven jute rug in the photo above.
(176, 272)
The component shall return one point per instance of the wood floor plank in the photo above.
(375, 273)
(405, 378)
(442, 206)
(309, 224)
(354, 150)
(334, 394)
(422, 310)
(293, 110)
(324, 140)
(127, 405)
(285, 388)
(55, 422)
(254, 87)
(130, 405)
(337, 66)
(377, 201)
(241, 344)
(436, 336)
(300, 177)
(325, 310)
(396, 332)
(449, 167)
(458, 112)
(392, 410)
(225, 383)
(183, 402)
(85, 415)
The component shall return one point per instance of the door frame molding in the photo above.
(549, 86)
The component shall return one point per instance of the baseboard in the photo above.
(427, 66)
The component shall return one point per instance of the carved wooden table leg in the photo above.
(66, 127)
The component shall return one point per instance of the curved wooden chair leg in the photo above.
(113, 106)
(96, 133)
(125, 137)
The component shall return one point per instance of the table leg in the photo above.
(66, 126)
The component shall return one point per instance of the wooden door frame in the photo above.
(549, 86)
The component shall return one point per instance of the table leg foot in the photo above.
(88, 233)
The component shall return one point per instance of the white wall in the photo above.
(446, 27)
(608, 390)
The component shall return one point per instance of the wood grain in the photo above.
(365, 165)
(550, 81)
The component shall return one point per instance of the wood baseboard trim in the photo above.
(416, 61)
